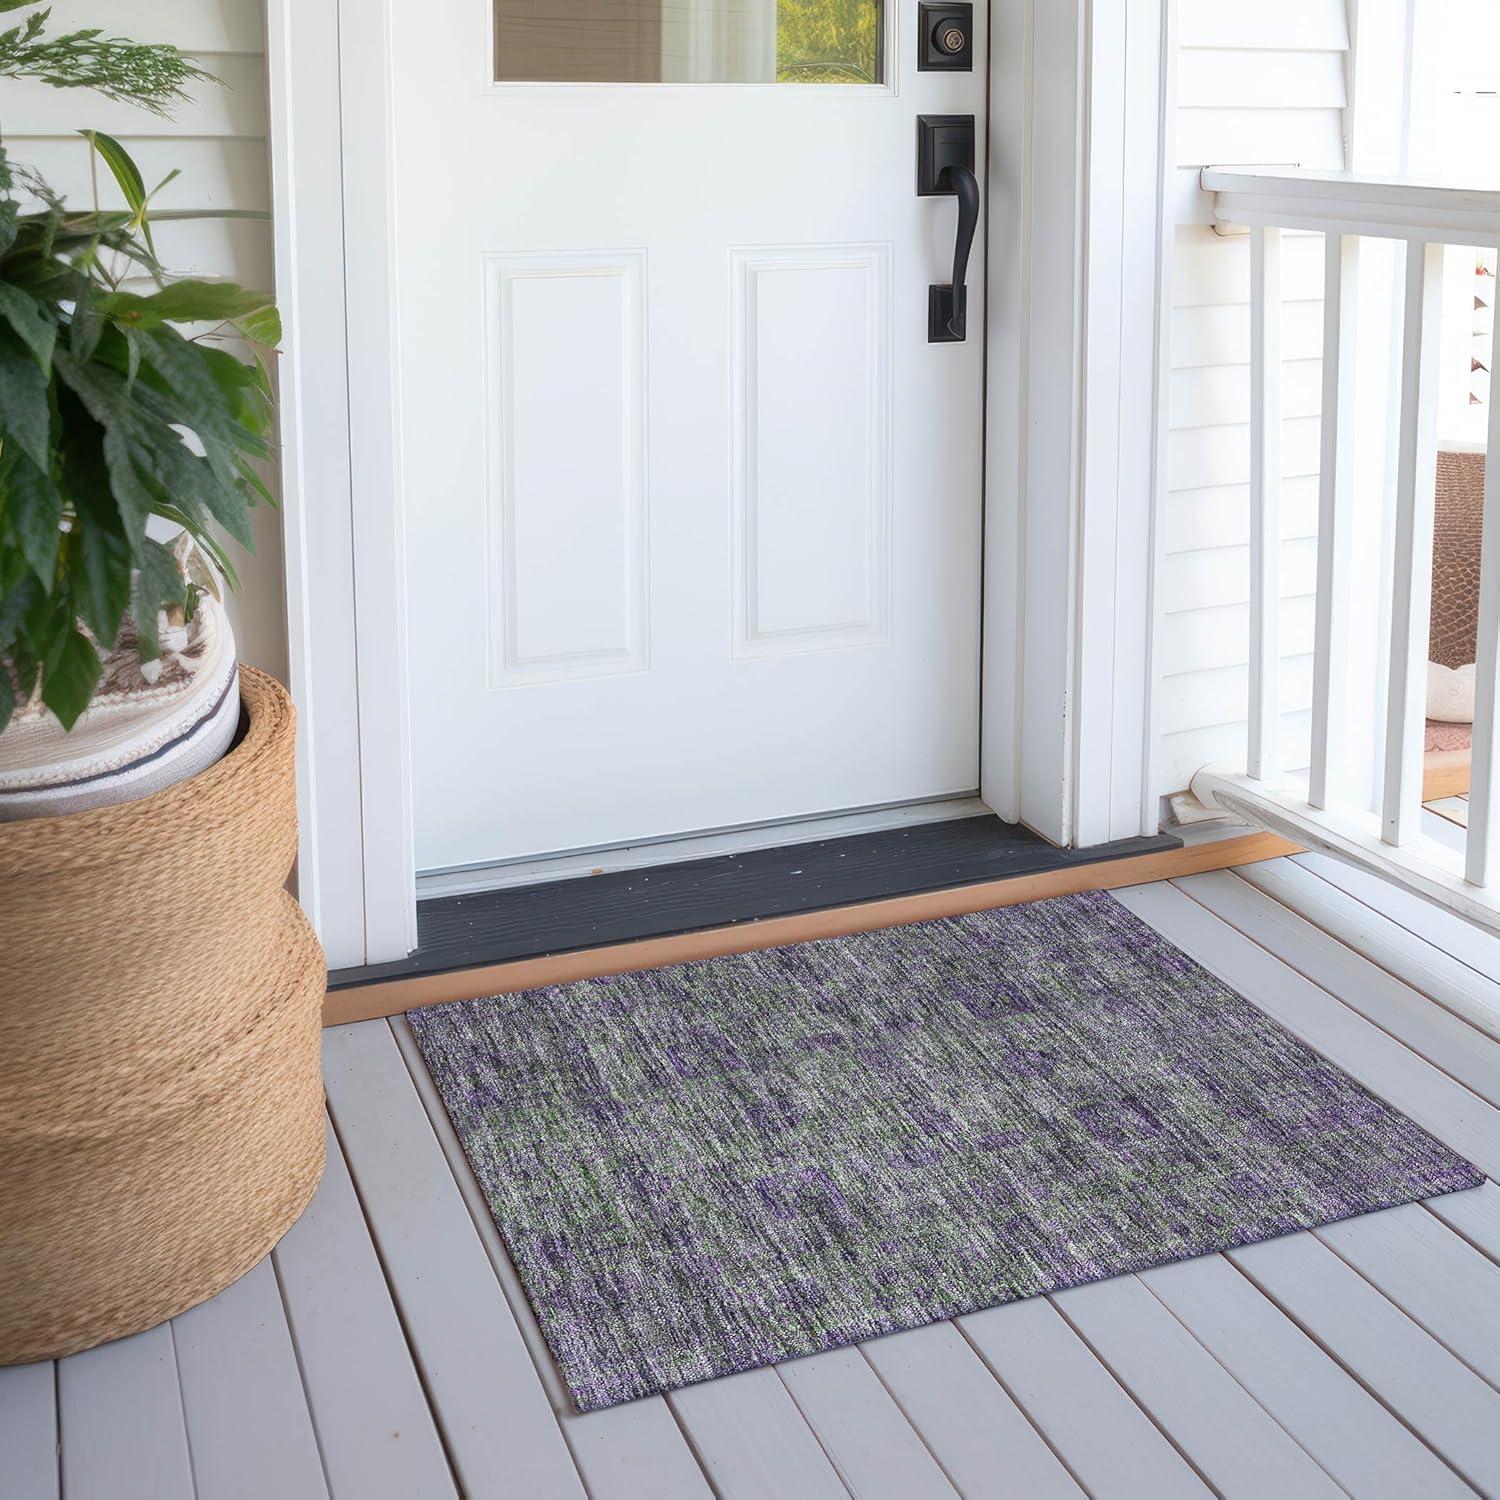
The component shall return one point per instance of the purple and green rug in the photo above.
(723, 1164)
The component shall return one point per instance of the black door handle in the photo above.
(945, 168)
(966, 189)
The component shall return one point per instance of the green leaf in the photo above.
(104, 397)
(122, 169)
(132, 499)
(158, 585)
(29, 319)
(19, 599)
(188, 301)
(97, 554)
(249, 476)
(69, 674)
(33, 509)
(189, 380)
(7, 695)
(86, 330)
(24, 413)
(262, 326)
(100, 571)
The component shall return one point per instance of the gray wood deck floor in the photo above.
(384, 1349)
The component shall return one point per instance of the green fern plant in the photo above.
(149, 74)
(118, 402)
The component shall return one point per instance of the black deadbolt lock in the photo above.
(945, 38)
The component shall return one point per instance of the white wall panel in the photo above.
(1219, 395)
(1261, 84)
(1215, 576)
(1218, 516)
(1184, 753)
(1212, 269)
(1220, 632)
(1199, 457)
(1215, 78)
(1219, 334)
(1280, 25)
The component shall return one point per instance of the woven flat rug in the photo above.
(720, 1165)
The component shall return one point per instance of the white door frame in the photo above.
(1078, 127)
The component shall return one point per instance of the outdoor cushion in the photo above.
(1450, 693)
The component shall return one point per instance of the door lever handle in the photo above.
(966, 189)
(945, 168)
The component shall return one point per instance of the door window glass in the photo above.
(689, 41)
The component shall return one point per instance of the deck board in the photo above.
(753, 1441)
(119, 1408)
(1385, 940)
(388, 1346)
(1232, 1441)
(1443, 930)
(28, 1429)
(1436, 1395)
(875, 1449)
(1434, 1275)
(1254, 906)
(1107, 1441)
(1476, 1216)
(1362, 1444)
(984, 1441)
(375, 1429)
(500, 1431)
(240, 1380)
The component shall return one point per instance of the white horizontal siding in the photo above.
(1216, 395)
(1256, 84)
(1219, 78)
(1219, 515)
(1217, 640)
(1268, 25)
(217, 140)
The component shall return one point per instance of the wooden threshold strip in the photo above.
(392, 996)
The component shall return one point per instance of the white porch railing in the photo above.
(1317, 810)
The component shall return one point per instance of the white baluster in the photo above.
(1263, 753)
(1331, 638)
(1411, 600)
(1483, 861)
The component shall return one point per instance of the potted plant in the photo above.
(160, 1097)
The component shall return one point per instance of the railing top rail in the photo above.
(1353, 203)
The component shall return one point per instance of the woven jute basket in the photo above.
(161, 1101)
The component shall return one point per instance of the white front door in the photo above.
(692, 503)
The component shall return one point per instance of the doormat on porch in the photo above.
(723, 1164)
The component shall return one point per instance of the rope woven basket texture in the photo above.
(1458, 526)
(161, 1097)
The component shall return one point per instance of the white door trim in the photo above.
(345, 576)
(1075, 166)
(1080, 152)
